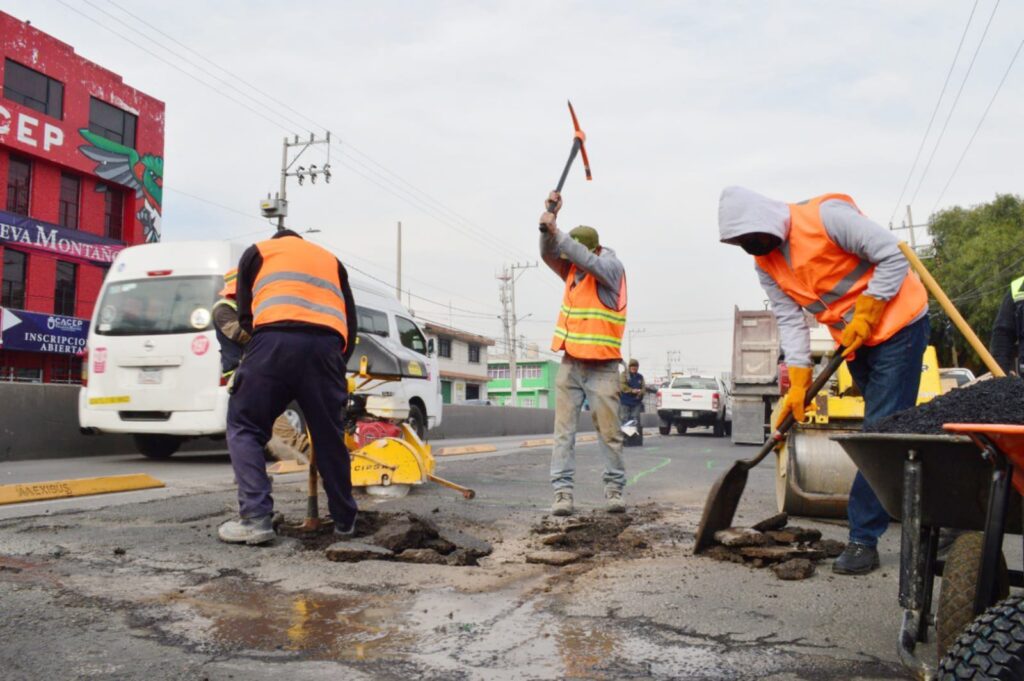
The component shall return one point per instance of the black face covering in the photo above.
(758, 243)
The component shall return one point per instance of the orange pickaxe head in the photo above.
(582, 137)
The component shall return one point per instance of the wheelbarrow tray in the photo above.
(955, 484)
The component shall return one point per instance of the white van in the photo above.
(380, 313)
(152, 364)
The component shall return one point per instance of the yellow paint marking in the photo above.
(537, 443)
(81, 487)
(466, 449)
(586, 438)
(117, 399)
(287, 466)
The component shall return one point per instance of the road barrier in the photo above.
(40, 421)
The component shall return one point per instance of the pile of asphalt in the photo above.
(1000, 400)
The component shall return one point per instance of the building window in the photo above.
(528, 371)
(33, 89)
(444, 347)
(64, 292)
(113, 212)
(474, 353)
(112, 123)
(497, 371)
(410, 336)
(472, 391)
(13, 294)
(19, 182)
(67, 208)
(527, 402)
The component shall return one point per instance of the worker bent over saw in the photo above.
(589, 331)
(825, 257)
(295, 300)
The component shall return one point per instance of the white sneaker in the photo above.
(251, 531)
(613, 501)
(563, 503)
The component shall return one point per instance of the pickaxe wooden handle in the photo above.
(578, 148)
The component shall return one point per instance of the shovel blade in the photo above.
(719, 509)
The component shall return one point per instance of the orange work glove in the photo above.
(866, 314)
(799, 382)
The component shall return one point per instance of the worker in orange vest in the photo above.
(589, 331)
(294, 299)
(824, 257)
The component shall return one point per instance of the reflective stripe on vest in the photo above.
(298, 282)
(1017, 289)
(826, 280)
(586, 328)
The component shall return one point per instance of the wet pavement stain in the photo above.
(245, 615)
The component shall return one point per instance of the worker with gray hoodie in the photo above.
(824, 257)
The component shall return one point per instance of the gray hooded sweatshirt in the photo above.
(742, 211)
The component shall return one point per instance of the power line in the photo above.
(942, 93)
(991, 101)
(952, 108)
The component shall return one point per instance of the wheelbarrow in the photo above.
(935, 482)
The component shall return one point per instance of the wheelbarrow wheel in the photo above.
(992, 649)
(959, 583)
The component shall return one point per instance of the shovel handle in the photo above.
(787, 423)
(466, 492)
(954, 315)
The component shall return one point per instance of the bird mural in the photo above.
(125, 166)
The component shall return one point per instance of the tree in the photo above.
(978, 252)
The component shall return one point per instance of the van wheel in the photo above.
(418, 421)
(157, 446)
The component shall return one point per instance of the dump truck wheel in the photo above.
(992, 649)
(959, 584)
(157, 446)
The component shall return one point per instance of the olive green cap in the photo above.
(586, 236)
(634, 363)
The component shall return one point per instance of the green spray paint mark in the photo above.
(711, 464)
(659, 466)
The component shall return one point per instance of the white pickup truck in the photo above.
(689, 401)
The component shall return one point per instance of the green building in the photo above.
(535, 387)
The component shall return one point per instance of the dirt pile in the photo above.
(1000, 400)
(401, 536)
(562, 541)
(790, 551)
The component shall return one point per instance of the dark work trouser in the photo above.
(888, 375)
(281, 365)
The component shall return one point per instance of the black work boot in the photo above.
(856, 559)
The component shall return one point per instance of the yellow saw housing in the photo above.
(391, 461)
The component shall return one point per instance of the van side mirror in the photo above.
(430, 347)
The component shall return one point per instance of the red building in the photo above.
(81, 169)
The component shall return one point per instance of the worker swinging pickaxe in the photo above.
(578, 147)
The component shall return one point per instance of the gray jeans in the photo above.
(633, 412)
(598, 383)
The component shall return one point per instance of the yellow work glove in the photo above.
(799, 382)
(866, 314)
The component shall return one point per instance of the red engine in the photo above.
(368, 431)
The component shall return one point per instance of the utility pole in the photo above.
(670, 355)
(507, 293)
(629, 341)
(277, 207)
(398, 280)
(910, 226)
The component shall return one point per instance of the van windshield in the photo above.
(158, 306)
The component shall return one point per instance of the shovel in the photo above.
(725, 494)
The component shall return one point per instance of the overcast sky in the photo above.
(465, 102)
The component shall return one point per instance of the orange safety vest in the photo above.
(586, 329)
(826, 280)
(298, 282)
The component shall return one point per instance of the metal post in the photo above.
(995, 527)
(910, 225)
(284, 182)
(398, 281)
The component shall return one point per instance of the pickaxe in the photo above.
(578, 147)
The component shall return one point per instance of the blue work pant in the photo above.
(281, 365)
(888, 375)
(598, 384)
